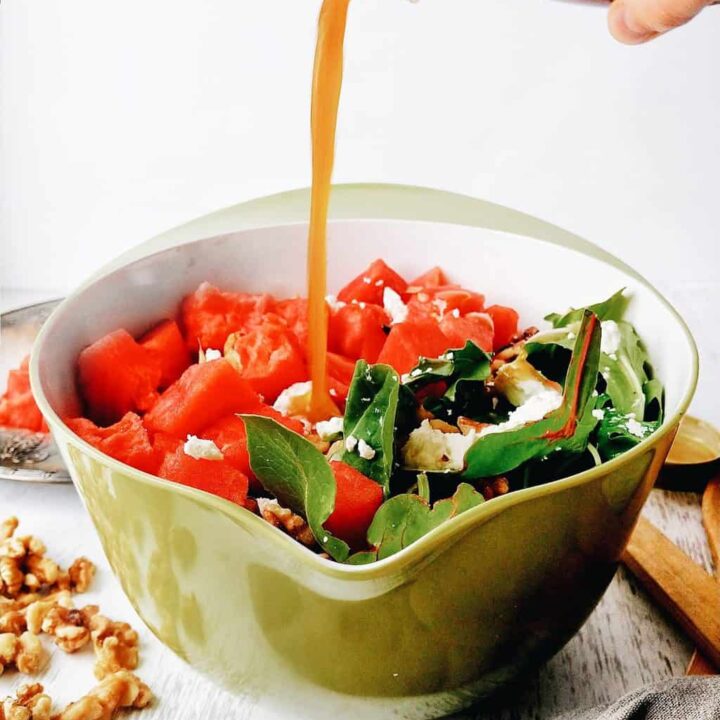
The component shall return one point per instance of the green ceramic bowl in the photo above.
(448, 620)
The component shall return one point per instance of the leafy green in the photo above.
(297, 474)
(614, 436)
(566, 428)
(456, 367)
(654, 399)
(464, 371)
(370, 415)
(611, 309)
(403, 519)
(627, 371)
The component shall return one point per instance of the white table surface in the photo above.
(627, 641)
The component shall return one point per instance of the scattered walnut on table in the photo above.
(286, 519)
(24, 566)
(36, 612)
(116, 646)
(36, 597)
(13, 621)
(8, 527)
(119, 690)
(69, 627)
(29, 703)
(11, 576)
(81, 573)
(25, 652)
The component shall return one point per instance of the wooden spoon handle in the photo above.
(699, 664)
(684, 589)
(711, 519)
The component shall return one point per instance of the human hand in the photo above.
(636, 21)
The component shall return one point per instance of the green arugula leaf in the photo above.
(370, 415)
(611, 309)
(297, 474)
(467, 364)
(567, 427)
(618, 433)
(403, 519)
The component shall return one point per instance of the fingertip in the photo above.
(623, 26)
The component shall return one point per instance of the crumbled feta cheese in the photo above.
(536, 408)
(528, 388)
(394, 305)
(571, 335)
(613, 356)
(431, 449)
(212, 354)
(598, 413)
(350, 443)
(329, 429)
(379, 283)
(365, 451)
(635, 428)
(333, 303)
(367, 280)
(294, 400)
(405, 377)
(611, 338)
(267, 504)
(201, 449)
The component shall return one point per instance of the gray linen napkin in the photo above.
(680, 699)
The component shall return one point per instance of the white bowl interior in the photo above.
(531, 275)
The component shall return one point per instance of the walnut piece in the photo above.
(31, 655)
(25, 652)
(13, 621)
(29, 703)
(116, 646)
(285, 519)
(69, 627)
(8, 527)
(24, 566)
(494, 487)
(11, 576)
(120, 690)
(36, 612)
(81, 573)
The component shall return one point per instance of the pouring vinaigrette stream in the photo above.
(327, 84)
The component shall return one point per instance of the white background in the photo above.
(120, 120)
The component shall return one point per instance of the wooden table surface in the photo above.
(627, 641)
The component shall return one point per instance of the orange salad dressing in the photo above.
(327, 82)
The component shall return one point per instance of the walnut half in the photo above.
(119, 690)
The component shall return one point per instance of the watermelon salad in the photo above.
(444, 404)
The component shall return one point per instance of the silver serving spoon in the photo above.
(25, 455)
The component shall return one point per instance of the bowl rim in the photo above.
(424, 547)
